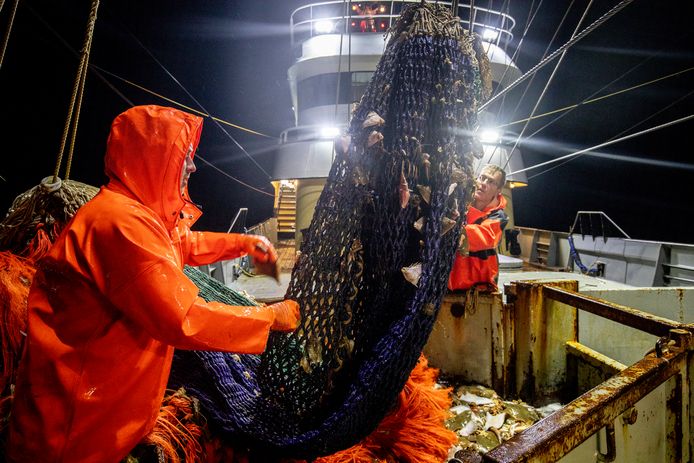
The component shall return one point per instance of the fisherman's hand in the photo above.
(463, 245)
(258, 247)
(287, 315)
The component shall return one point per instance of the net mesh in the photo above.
(374, 262)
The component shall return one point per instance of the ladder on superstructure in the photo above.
(286, 209)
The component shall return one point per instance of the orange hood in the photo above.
(145, 153)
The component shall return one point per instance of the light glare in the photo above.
(329, 132)
(324, 27)
(489, 136)
(490, 35)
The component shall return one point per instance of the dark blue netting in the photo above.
(393, 204)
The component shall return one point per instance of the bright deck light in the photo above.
(324, 27)
(489, 135)
(329, 132)
(490, 35)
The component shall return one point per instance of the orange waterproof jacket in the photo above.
(110, 302)
(480, 265)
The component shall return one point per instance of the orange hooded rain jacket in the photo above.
(480, 264)
(110, 302)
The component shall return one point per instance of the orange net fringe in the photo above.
(16, 274)
(414, 432)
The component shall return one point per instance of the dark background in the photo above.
(233, 57)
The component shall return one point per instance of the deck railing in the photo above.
(348, 17)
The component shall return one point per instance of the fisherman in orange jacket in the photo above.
(110, 301)
(476, 262)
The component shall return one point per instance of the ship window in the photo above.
(321, 90)
(359, 82)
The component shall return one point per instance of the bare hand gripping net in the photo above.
(375, 261)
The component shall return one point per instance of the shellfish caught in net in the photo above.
(395, 199)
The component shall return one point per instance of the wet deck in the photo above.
(266, 289)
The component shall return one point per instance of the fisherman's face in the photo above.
(488, 188)
(188, 168)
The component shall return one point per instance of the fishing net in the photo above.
(37, 216)
(374, 262)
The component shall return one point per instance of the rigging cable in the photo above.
(549, 82)
(6, 40)
(544, 54)
(96, 69)
(607, 143)
(633, 68)
(488, 48)
(500, 25)
(76, 54)
(205, 161)
(529, 21)
(527, 88)
(238, 145)
(181, 105)
(620, 133)
(616, 9)
(589, 99)
(532, 14)
(10, 22)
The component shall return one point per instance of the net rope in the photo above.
(37, 216)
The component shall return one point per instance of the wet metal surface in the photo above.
(586, 368)
(643, 321)
(473, 341)
(596, 359)
(556, 435)
(540, 352)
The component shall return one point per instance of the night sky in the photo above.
(233, 58)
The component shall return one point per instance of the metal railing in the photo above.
(304, 20)
(602, 216)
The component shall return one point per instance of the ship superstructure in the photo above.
(337, 46)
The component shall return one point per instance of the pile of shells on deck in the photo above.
(482, 420)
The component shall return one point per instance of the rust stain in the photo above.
(556, 435)
(624, 315)
(674, 407)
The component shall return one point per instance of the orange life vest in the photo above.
(480, 266)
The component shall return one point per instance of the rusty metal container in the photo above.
(619, 358)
